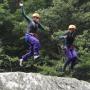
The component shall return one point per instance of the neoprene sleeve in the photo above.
(29, 19)
(24, 15)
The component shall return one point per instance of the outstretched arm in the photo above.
(63, 37)
(23, 13)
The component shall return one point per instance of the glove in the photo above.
(65, 47)
(62, 37)
(21, 4)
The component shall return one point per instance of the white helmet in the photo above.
(36, 15)
(72, 26)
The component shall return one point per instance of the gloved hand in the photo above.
(21, 4)
(62, 37)
(65, 47)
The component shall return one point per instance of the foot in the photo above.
(36, 57)
(21, 60)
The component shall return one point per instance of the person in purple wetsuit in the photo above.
(70, 51)
(31, 36)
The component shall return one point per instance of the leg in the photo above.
(34, 42)
(68, 53)
(66, 64)
(28, 54)
(36, 47)
(69, 56)
(28, 39)
(74, 58)
(73, 63)
(34, 50)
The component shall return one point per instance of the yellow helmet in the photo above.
(36, 15)
(72, 26)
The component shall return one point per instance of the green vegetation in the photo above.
(56, 15)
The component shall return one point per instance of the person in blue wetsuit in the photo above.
(31, 36)
(70, 51)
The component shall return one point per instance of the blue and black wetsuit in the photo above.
(31, 36)
(70, 52)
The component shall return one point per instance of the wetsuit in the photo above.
(70, 52)
(31, 36)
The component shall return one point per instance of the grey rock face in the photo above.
(33, 81)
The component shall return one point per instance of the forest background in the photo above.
(56, 15)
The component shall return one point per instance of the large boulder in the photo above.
(34, 81)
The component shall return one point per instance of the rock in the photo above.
(35, 81)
